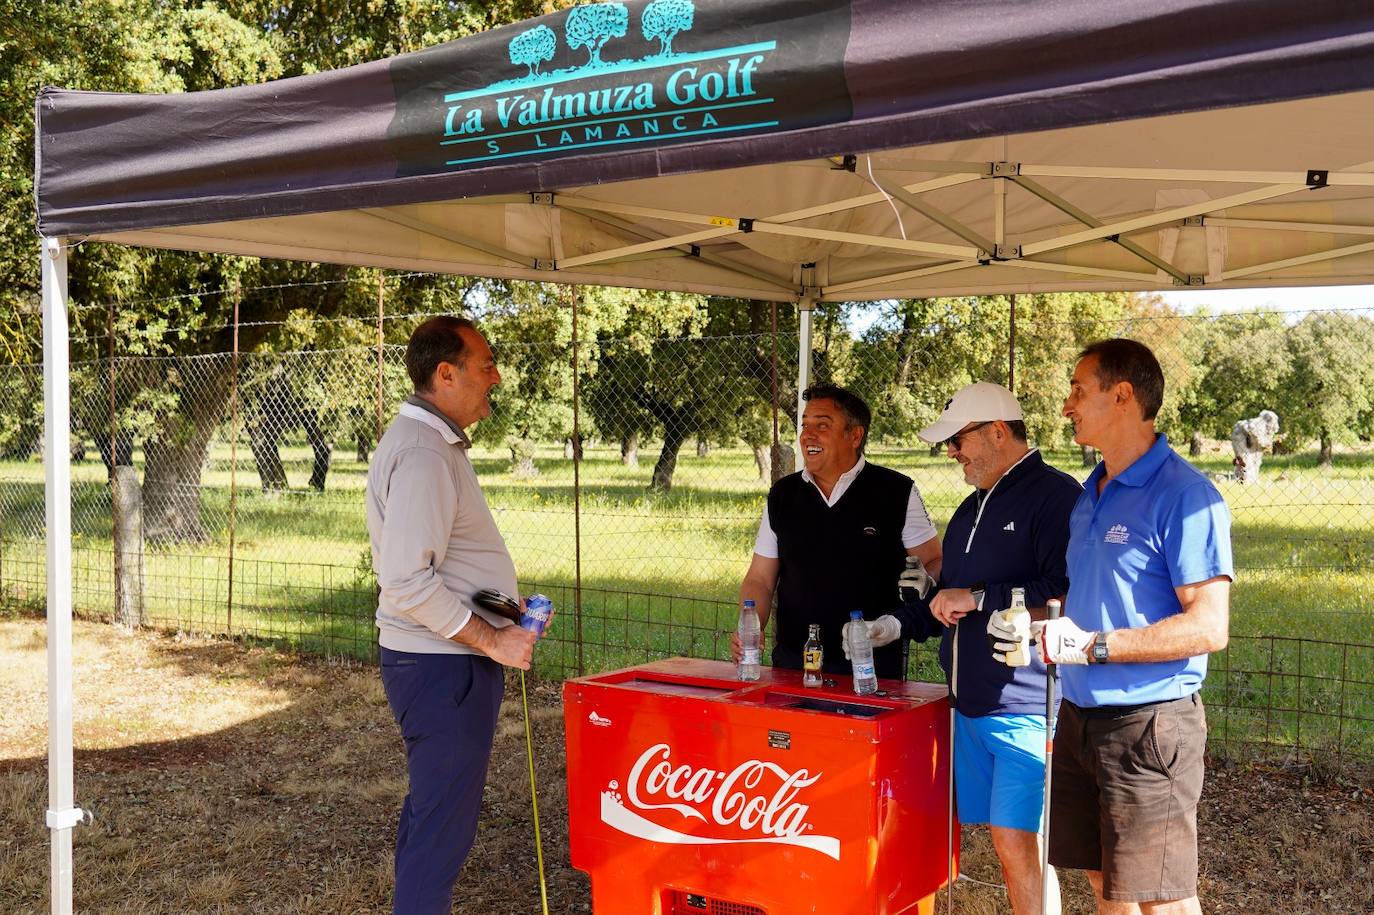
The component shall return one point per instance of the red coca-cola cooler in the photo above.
(691, 793)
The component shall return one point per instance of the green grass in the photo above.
(660, 571)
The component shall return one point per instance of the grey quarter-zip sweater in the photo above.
(434, 541)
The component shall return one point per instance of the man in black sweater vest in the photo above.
(835, 538)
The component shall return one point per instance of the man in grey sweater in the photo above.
(434, 545)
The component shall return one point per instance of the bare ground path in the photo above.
(227, 778)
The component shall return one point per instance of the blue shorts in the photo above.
(999, 770)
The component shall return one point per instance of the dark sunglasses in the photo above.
(956, 440)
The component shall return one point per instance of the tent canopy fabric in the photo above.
(776, 149)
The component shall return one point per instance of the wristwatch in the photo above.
(1097, 651)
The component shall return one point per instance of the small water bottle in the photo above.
(861, 656)
(812, 657)
(750, 638)
(1019, 617)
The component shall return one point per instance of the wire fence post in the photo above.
(1011, 346)
(116, 542)
(381, 350)
(233, 465)
(577, 485)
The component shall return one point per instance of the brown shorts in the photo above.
(1124, 797)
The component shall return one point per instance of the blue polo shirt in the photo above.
(1158, 525)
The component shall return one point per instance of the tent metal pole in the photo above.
(1352, 176)
(1159, 218)
(1331, 228)
(881, 278)
(1299, 261)
(63, 814)
(1052, 267)
(1088, 219)
(805, 308)
(853, 203)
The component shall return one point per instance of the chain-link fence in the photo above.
(627, 473)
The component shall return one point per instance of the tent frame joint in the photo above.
(69, 818)
(1195, 222)
(541, 263)
(745, 225)
(1004, 169)
(1191, 279)
(1004, 253)
(542, 198)
(1317, 178)
(846, 163)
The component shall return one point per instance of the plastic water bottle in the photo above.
(861, 656)
(749, 642)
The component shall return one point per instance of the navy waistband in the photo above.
(1122, 711)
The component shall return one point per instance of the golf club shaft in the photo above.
(1051, 675)
(949, 835)
(534, 798)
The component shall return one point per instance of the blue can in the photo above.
(538, 612)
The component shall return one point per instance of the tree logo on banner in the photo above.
(686, 69)
(663, 19)
(593, 25)
(533, 48)
(590, 27)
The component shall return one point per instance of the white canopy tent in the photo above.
(1107, 163)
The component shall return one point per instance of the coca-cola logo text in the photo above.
(739, 797)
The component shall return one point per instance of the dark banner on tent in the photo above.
(613, 75)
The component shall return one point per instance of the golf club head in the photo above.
(498, 603)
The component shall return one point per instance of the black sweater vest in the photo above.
(834, 559)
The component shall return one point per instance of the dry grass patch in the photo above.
(231, 779)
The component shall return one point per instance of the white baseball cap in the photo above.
(980, 402)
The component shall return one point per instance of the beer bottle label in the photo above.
(811, 659)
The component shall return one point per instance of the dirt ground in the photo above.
(230, 779)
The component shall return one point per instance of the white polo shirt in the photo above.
(917, 530)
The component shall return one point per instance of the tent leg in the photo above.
(804, 311)
(62, 812)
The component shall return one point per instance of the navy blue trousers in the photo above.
(446, 706)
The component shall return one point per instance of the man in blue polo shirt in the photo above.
(1150, 573)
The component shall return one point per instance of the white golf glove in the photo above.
(1002, 636)
(915, 583)
(883, 631)
(1061, 641)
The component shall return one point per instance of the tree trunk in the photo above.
(127, 506)
(320, 447)
(172, 488)
(123, 450)
(1089, 455)
(1324, 456)
(784, 461)
(364, 444)
(522, 465)
(176, 457)
(629, 450)
(573, 448)
(906, 349)
(673, 437)
(763, 460)
(703, 448)
(1195, 445)
(262, 440)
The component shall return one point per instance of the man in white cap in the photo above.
(1011, 532)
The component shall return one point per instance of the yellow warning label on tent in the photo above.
(722, 221)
